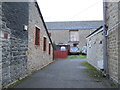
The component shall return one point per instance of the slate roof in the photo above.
(73, 25)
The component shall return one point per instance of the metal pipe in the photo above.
(112, 28)
(105, 55)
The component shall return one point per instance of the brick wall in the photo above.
(112, 39)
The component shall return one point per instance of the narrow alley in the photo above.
(59, 44)
(66, 73)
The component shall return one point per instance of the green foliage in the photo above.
(80, 52)
(83, 56)
(77, 56)
(113, 84)
(96, 74)
(73, 56)
(93, 72)
(89, 67)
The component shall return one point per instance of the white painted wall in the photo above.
(95, 50)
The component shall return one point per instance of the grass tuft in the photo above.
(77, 56)
(93, 72)
(96, 74)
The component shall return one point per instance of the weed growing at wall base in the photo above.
(93, 72)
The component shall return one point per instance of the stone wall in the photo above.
(5, 57)
(112, 39)
(0, 46)
(37, 58)
(95, 50)
(18, 54)
(14, 47)
(119, 44)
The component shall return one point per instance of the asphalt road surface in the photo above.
(66, 73)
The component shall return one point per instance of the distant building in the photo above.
(72, 32)
(25, 45)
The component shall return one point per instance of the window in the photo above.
(44, 43)
(100, 42)
(37, 36)
(74, 35)
(49, 48)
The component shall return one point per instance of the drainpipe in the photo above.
(105, 55)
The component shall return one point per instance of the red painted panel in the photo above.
(6, 36)
(60, 54)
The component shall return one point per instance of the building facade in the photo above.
(111, 40)
(22, 32)
(95, 48)
(112, 22)
(39, 53)
(72, 32)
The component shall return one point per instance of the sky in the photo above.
(71, 10)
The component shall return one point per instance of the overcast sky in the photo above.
(71, 10)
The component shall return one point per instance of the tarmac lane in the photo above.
(63, 73)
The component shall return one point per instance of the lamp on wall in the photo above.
(25, 27)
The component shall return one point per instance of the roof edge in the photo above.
(95, 31)
(74, 21)
(44, 23)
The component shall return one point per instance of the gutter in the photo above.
(43, 22)
(105, 53)
(96, 31)
(112, 28)
(45, 26)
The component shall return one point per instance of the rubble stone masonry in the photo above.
(14, 41)
(0, 47)
(119, 44)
